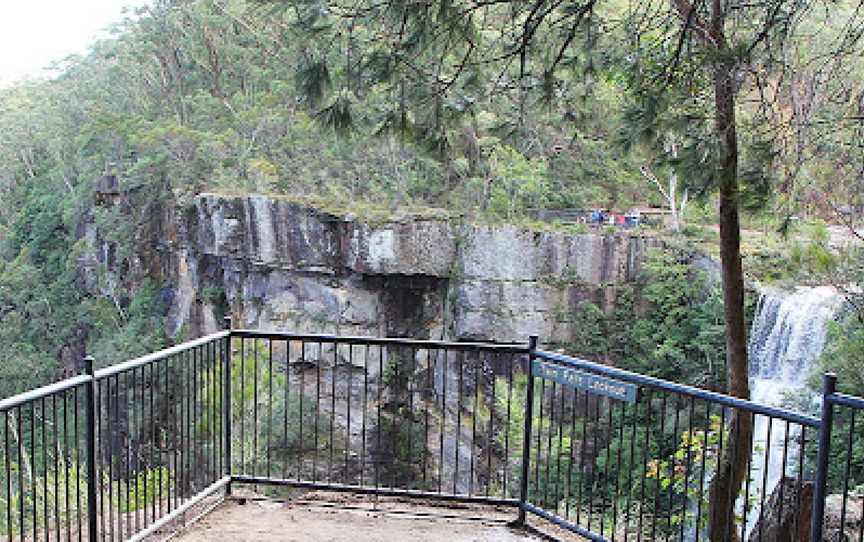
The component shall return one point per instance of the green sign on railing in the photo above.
(600, 385)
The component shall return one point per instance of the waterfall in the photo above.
(787, 337)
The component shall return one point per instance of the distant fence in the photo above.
(121, 452)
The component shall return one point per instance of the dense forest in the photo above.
(409, 108)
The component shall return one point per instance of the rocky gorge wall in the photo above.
(274, 264)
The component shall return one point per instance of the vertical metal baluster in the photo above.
(783, 465)
(596, 431)
(661, 435)
(631, 465)
(394, 418)
(672, 469)
(191, 427)
(829, 386)
(287, 394)
(139, 453)
(90, 440)
(332, 441)
(6, 464)
(242, 394)
(618, 473)
(365, 407)
(22, 493)
(130, 420)
(645, 454)
(604, 495)
(154, 446)
(542, 395)
(571, 455)
(764, 474)
(269, 406)
(138, 440)
(178, 429)
(443, 422)
(194, 463)
(77, 464)
(301, 391)
(558, 449)
(33, 470)
(67, 458)
(378, 425)
(846, 475)
(317, 407)
(511, 359)
(216, 409)
(491, 408)
(802, 449)
(860, 529)
(172, 390)
(133, 465)
(582, 453)
(197, 459)
(208, 411)
(45, 517)
(460, 355)
(56, 447)
(549, 436)
(472, 475)
(702, 473)
(183, 472)
(732, 496)
(722, 429)
(350, 377)
(428, 393)
(226, 378)
(409, 420)
(105, 427)
(747, 484)
(687, 467)
(525, 467)
(255, 427)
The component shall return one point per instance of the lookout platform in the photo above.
(339, 517)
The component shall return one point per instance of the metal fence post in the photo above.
(226, 401)
(829, 386)
(90, 423)
(526, 442)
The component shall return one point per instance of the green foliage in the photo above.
(681, 335)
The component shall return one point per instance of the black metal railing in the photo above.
(386, 416)
(643, 470)
(838, 504)
(120, 452)
(116, 452)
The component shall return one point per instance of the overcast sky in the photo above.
(34, 33)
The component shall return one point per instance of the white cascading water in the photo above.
(787, 337)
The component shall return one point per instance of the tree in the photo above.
(714, 50)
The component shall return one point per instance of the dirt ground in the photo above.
(351, 520)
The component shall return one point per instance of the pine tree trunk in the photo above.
(732, 469)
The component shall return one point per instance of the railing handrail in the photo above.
(43, 391)
(842, 399)
(509, 348)
(74, 381)
(658, 383)
(156, 356)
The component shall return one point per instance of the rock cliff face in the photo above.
(274, 264)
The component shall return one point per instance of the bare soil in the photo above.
(338, 518)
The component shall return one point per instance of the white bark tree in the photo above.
(676, 199)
